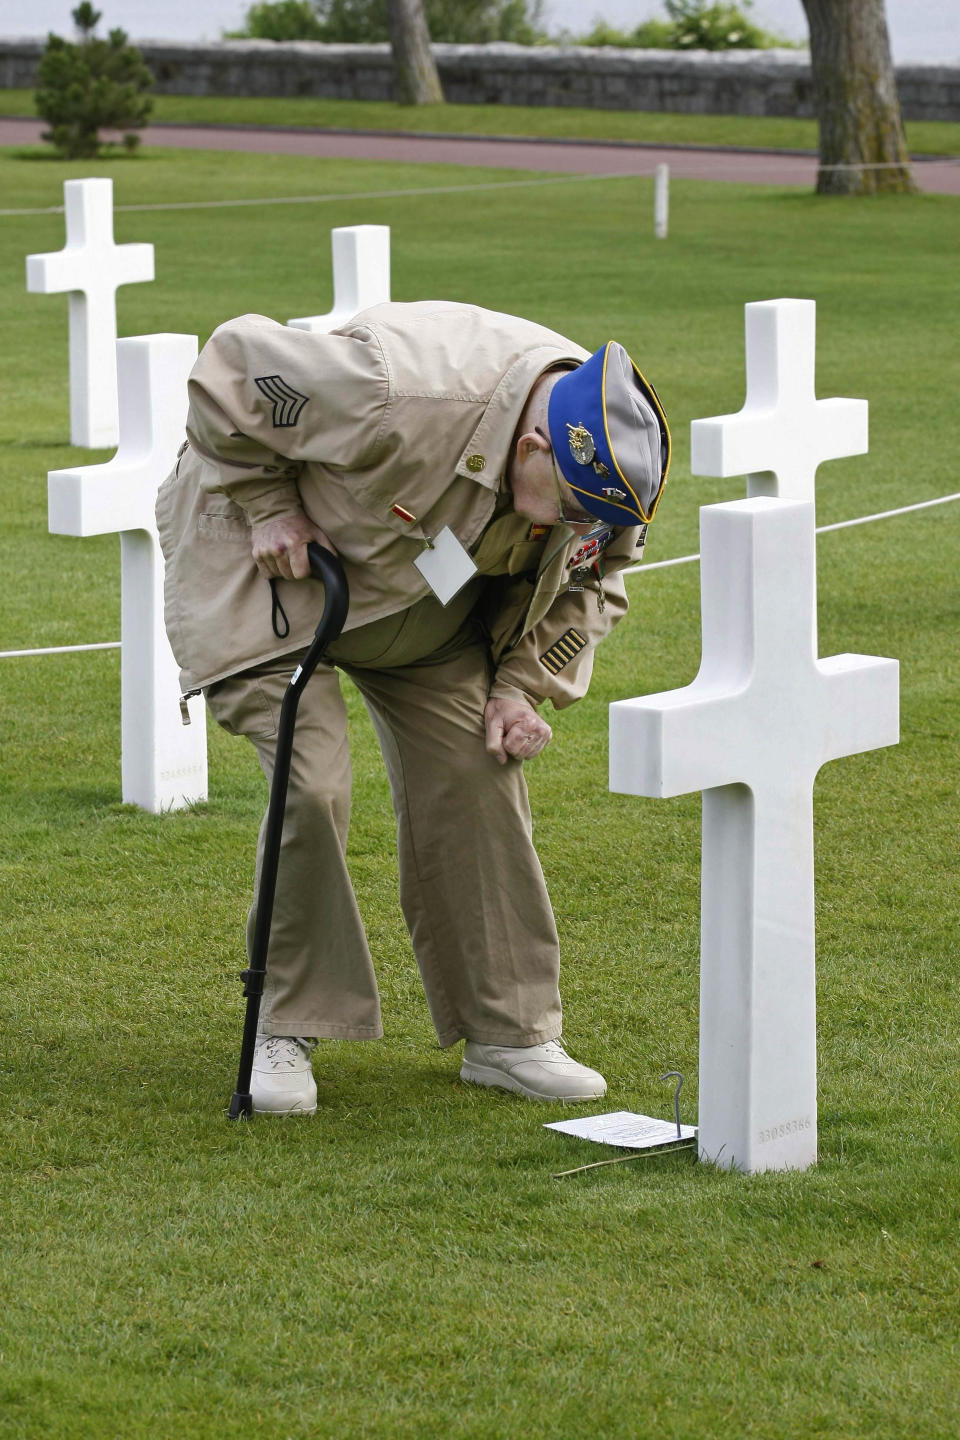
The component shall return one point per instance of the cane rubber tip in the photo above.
(241, 1106)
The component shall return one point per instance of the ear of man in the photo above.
(532, 429)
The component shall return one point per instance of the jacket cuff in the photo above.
(503, 690)
(277, 502)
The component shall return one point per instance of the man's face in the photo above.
(540, 492)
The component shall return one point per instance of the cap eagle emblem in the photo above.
(582, 447)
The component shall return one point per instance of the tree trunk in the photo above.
(855, 93)
(415, 78)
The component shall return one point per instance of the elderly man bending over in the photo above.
(483, 481)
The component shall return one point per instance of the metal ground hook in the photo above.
(675, 1074)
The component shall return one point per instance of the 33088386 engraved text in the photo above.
(789, 1127)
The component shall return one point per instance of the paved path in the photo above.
(555, 156)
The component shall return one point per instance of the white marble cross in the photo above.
(783, 431)
(361, 276)
(91, 267)
(751, 732)
(164, 763)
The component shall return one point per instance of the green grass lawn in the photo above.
(555, 122)
(404, 1265)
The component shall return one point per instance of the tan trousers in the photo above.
(471, 886)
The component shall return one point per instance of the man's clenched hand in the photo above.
(514, 728)
(280, 546)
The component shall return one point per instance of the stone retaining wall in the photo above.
(732, 82)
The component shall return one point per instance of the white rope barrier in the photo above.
(885, 514)
(61, 649)
(633, 570)
(348, 195)
(390, 194)
(429, 190)
(578, 179)
(821, 530)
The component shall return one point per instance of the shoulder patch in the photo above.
(562, 651)
(287, 402)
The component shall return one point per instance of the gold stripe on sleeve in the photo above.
(562, 651)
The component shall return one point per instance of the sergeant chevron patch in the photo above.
(562, 651)
(287, 402)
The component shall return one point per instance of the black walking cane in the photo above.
(326, 567)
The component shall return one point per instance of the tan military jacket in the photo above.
(383, 432)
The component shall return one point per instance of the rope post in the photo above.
(661, 201)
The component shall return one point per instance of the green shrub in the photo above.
(693, 25)
(699, 26)
(92, 85)
(364, 22)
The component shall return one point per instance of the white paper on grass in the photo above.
(625, 1129)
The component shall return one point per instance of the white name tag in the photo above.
(446, 567)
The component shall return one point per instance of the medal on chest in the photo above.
(592, 546)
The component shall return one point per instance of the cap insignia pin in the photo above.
(610, 492)
(582, 447)
(600, 468)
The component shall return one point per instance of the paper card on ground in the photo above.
(446, 566)
(625, 1129)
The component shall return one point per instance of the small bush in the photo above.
(699, 26)
(92, 85)
(693, 25)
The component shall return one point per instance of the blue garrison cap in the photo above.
(610, 437)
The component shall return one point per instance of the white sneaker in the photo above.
(282, 1082)
(540, 1072)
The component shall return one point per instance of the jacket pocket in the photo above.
(227, 524)
(241, 706)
